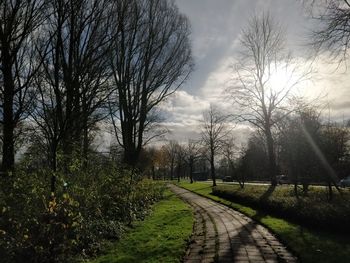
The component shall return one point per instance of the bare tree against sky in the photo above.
(214, 132)
(264, 79)
(193, 152)
(333, 32)
(180, 161)
(72, 83)
(170, 150)
(150, 60)
(230, 152)
(19, 21)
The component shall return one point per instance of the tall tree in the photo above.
(312, 150)
(333, 152)
(264, 79)
(180, 162)
(253, 162)
(192, 153)
(230, 154)
(151, 58)
(171, 149)
(214, 133)
(73, 82)
(19, 23)
(296, 154)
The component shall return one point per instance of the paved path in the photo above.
(222, 234)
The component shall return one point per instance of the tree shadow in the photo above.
(268, 193)
(244, 239)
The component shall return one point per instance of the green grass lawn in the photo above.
(162, 237)
(309, 245)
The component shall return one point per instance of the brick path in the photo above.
(222, 234)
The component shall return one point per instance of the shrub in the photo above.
(88, 207)
(313, 209)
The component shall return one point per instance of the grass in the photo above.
(312, 209)
(162, 237)
(308, 244)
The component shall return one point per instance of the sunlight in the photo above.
(283, 79)
(331, 172)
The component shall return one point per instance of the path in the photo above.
(222, 234)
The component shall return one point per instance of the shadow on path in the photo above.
(237, 238)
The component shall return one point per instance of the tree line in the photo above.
(308, 149)
(291, 137)
(68, 66)
(68, 70)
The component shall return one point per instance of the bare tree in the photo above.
(230, 153)
(192, 153)
(214, 133)
(19, 22)
(72, 84)
(171, 149)
(180, 161)
(333, 33)
(73, 81)
(150, 60)
(264, 79)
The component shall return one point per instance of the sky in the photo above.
(216, 27)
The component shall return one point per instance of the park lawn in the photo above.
(162, 237)
(308, 244)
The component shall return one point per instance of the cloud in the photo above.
(183, 106)
(330, 86)
(216, 26)
(183, 115)
(182, 132)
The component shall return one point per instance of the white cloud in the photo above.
(216, 28)
(183, 113)
(330, 85)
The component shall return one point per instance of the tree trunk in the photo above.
(191, 171)
(178, 173)
(53, 183)
(53, 163)
(305, 187)
(296, 189)
(271, 156)
(212, 167)
(85, 145)
(330, 191)
(172, 170)
(53, 160)
(8, 152)
(131, 156)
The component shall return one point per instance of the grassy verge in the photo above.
(161, 237)
(313, 209)
(308, 244)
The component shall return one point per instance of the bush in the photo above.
(313, 209)
(88, 207)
